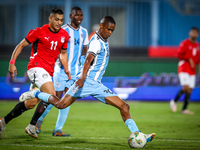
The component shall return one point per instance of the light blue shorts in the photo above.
(93, 88)
(61, 82)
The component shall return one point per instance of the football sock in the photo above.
(131, 125)
(46, 112)
(186, 101)
(62, 116)
(38, 112)
(42, 96)
(178, 95)
(17, 110)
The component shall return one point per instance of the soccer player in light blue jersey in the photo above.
(78, 41)
(89, 80)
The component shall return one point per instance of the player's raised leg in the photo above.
(125, 113)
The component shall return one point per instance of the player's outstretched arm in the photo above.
(86, 67)
(12, 68)
(64, 60)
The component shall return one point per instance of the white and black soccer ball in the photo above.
(137, 140)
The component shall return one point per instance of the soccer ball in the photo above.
(137, 140)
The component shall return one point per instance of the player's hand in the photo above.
(12, 70)
(68, 74)
(79, 83)
(191, 63)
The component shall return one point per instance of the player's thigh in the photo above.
(48, 87)
(115, 101)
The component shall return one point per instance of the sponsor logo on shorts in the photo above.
(57, 84)
(45, 75)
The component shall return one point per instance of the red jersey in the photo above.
(187, 50)
(46, 47)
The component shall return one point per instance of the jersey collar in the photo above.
(100, 37)
(73, 27)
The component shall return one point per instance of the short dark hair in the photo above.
(195, 28)
(75, 9)
(107, 19)
(56, 11)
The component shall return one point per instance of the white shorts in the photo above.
(187, 79)
(38, 77)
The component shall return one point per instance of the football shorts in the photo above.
(38, 77)
(93, 88)
(187, 79)
(61, 82)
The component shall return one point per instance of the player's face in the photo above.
(55, 22)
(193, 34)
(76, 17)
(107, 29)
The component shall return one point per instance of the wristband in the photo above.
(12, 61)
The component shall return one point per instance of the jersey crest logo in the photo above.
(62, 39)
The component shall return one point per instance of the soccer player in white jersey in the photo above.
(78, 41)
(89, 80)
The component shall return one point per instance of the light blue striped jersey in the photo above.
(100, 49)
(78, 38)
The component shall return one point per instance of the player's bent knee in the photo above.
(30, 104)
(125, 107)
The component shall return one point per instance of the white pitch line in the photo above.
(48, 146)
(107, 138)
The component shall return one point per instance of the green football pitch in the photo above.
(96, 126)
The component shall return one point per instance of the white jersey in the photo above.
(100, 49)
(78, 38)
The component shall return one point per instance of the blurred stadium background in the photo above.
(143, 63)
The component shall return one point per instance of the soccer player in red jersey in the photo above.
(188, 54)
(48, 42)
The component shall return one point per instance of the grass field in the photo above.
(94, 125)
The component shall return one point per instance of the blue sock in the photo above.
(46, 112)
(42, 96)
(131, 125)
(62, 116)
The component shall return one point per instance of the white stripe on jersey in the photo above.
(102, 65)
(79, 53)
(93, 65)
(71, 54)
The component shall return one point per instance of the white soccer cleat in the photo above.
(30, 130)
(2, 126)
(173, 106)
(28, 95)
(149, 137)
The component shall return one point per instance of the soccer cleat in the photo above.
(60, 133)
(2, 126)
(38, 127)
(187, 112)
(149, 137)
(173, 106)
(28, 95)
(30, 130)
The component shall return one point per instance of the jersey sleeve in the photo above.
(182, 52)
(32, 36)
(86, 39)
(66, 41)
(94, 47)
